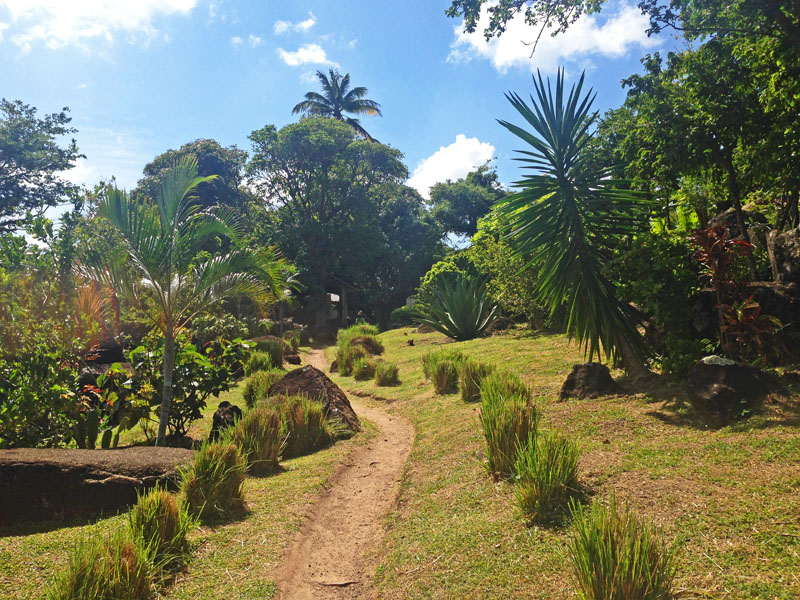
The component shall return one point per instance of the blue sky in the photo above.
(143, 76)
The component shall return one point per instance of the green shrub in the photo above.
(386, 374)
(363, 368)
(260, 437)
(112, 568)
(292, 337)
(305, 424)
(273, 346)
(405, 315)
(470, 375)
(162, 523)
(508, 421)
(256, 387)
(459, 308)
(616, 555)
(212, 484)
(546, 471)
(434, 357)
(258, 361)
(346, 356)
(445, 377)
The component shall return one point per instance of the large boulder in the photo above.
(40, 484)
(313, 383)
(722, 390)
(784, 256)
(589, 380)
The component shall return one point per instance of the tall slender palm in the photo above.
(565, 217)
(336, 99)
(161, 256)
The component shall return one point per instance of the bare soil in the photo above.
(330, 557)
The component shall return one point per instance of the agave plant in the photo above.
(460, 308)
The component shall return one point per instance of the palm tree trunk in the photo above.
(630, 360)
(166, 396)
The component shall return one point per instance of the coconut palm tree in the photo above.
(161, 255)
(336, 99)
(567, 214)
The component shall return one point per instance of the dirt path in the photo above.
(328, 558)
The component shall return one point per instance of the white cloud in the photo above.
(450, 162)
(58, 23)
(306, 54)
(622, 29)
(3, 27)
(352, 43)
(281, 27)
(236, 40)
(309, 77)
(254, 40)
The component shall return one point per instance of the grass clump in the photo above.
(470, 375)
(258, 361)
(274, 347)
(292, 337)
(617, 556)
(546, 471)
(162, 523)
(386, 373)
(346, 357)
(213, 484)
(343, 336)
(509, 419)
(445, 377)
(305, 425)
(433, 358)
(118, 567)
(256, 387)
(260, 438)
(363, 368)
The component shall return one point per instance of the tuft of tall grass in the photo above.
(343, 336)
(292, 337)
(509, 419)
(260, 437)
(445, 377)
(117, 567)
(274, 347)
(470, 375)
(346, 357)
(258, 361)
(434, 357)
(256, 387)
(213, 484)
(505, 384)
(307, 429)
(546, 472)
(617, 556)
(386, 373)
(363, 368)
(162, 523)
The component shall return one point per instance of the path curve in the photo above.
(329, 557)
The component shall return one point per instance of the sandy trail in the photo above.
(329, 557)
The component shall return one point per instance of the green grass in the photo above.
(232, 561)
(729, 499)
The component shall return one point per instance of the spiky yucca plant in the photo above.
(459, 307)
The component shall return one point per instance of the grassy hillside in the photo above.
(729, 499)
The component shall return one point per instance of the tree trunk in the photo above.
(166, 396)
(735, 196)
(631, 361)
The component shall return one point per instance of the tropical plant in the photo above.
(161, 255)
(162, 523)
(546, 476)
(614, 554)
(566, 216)
(212, 485)
(337, 99)
(460, 308)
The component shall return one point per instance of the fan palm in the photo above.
(336, 99)
(567, 214)
(161, 254)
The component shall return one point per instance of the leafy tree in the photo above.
(338, 207)
(227, 164)
(458, 205)
(162, 241)
(337, 99)
(566, 216)
(30, 162)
